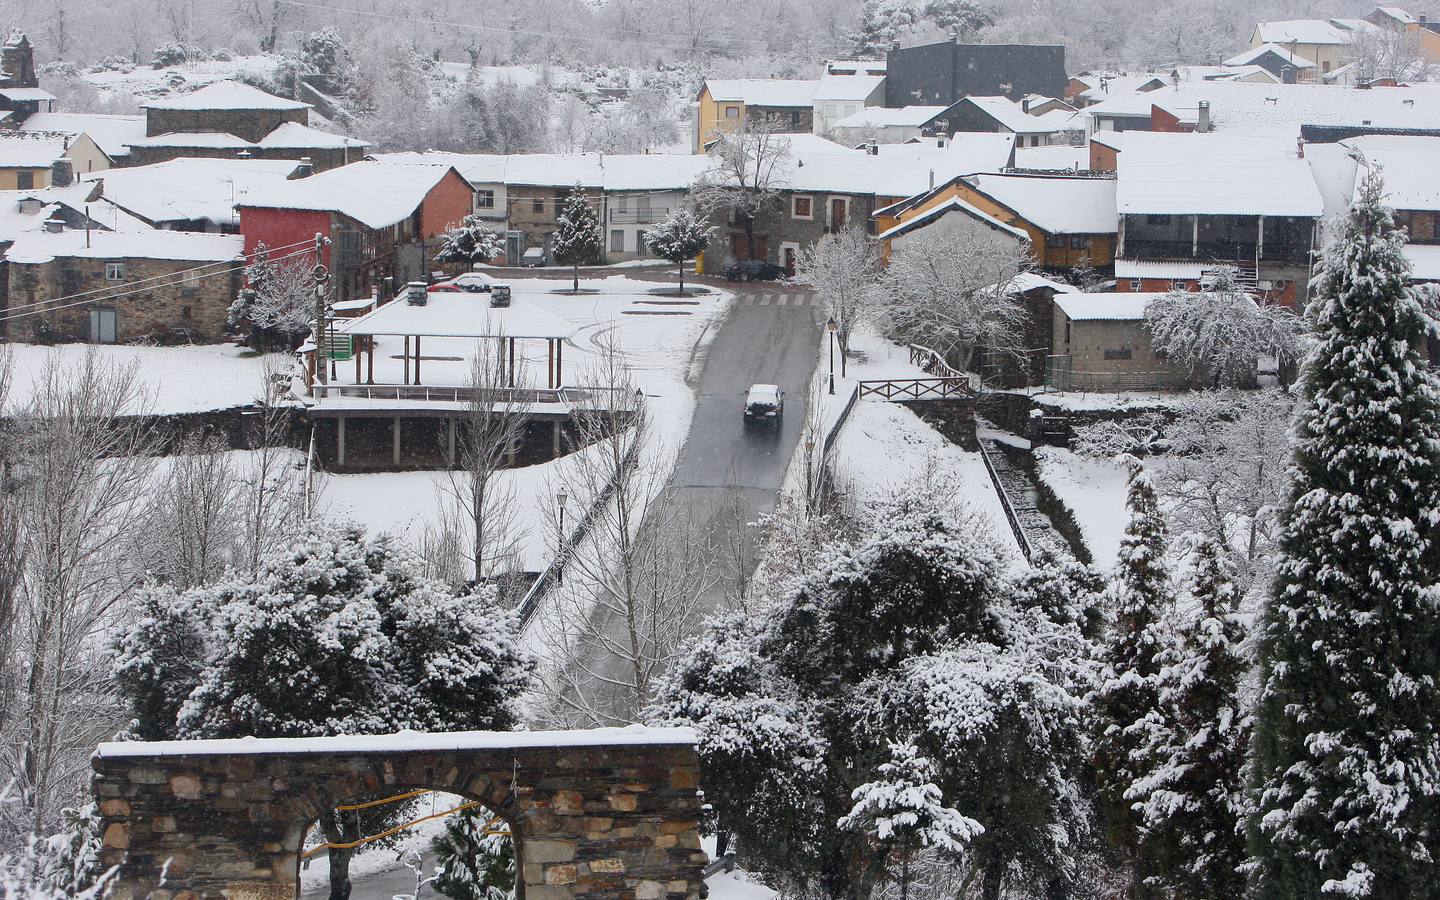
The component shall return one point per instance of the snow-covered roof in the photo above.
(1056, 156)
(1029, 281)
(1159, 268)
(763, 91)
(621, 171)
(963, 153)
(190, 189)
(226, 94)
(294, 136)
(1283, 108)
(80, 197)
(1410, 166)
(406, 742)
(1057, 204)
(26, 95)
(31, 149)
(856, 65)
(889, 117)
(1104, 307)
(1214, 174)
(1303, 31)
(1010, 115)
(1104, 86)
(458, 314)
(110, 133)
(954, 204)
(209, 140)
(652, 171)
(374, 194)
(1248, 57)
(847, 87)
(187, 246)
(1397, 14)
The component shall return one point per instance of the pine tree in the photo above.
(682, 235)
(472, 865)
(903, 811)
(1346, 752)
(1192, 803)
(1125, 707)
(469, 242)
(577, 233)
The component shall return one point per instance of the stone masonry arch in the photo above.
(601, 814)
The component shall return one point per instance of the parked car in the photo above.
(764, 405)
(753, 270)
(470, 282)
(500, 294)
(533, 257)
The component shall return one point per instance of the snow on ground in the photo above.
(1094, 489)
(1088, 400)
(177, 379)
(883, 447)
(148, 83)
(734, 886)
(315, 873)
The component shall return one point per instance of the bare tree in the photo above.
(78, 474)
(844, 269)
(747, 173)
(633, 584)
(950, 292)
(191, 532)
(1390, 53)
(488, 435)
(276, 489)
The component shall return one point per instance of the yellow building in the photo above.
(1070, 219)
(27, 158)
(725, 103)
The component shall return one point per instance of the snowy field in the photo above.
(176, 379)
(1094, 489)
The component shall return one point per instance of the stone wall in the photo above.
(173, 311)
(250, 124)
(602, 822)
(323, 159)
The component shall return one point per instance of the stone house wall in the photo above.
(782, 228)
(175, 310)
(250, 124)
(1108, 355)
(323, 159)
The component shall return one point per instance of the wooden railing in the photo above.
(424, 393)
(918, 388)
(931, 362)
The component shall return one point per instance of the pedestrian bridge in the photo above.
(600, 814)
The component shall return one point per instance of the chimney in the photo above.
(1300, 147)
(1287, 74)
(872, 148)
(54, 225)
(1424, 18)
(62, 173)
(303, 169)
(894, 45)
(243, 154)
(1202, 125)
(940, 143)
(932, 179)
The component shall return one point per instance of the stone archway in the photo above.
(606, 813)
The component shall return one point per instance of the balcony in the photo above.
(1291, 252)
(645, 215)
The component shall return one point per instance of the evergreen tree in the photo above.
(473, 865)
(336, 634)
(577, 233)
(1346, 750)
(903, 811)
(1192, 803)
(277, 303)
(1125, 708)
(469, 242)
(682, 235)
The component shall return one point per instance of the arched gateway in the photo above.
(604, 813)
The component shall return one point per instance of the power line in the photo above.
(117, 296)
(249, 256)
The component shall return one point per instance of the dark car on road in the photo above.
(753, 270)
(764, 405)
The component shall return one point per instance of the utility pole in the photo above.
(321, 276)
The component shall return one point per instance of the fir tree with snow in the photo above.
(680, 236)
(1192, 804)
(471, 864)
(1346, 750)
(276, 307)
(1125, 709)
(904, 811)
(469, 242)
(577, 234)
(338, 633)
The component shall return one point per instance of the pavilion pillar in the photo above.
(512, 362)
(340, 440)
(395, 442)
(555, 439)
(1195, 235)
(450, 440)
(370, 360)
(417, 359)
(1259, 238)
(407, 359)
(549, 362)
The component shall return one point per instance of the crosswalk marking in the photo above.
(769, 299)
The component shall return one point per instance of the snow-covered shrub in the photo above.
(469, 242)
(60, 68)
(113, 64)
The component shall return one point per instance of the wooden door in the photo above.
(837, 213)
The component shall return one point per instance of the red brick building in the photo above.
(382, 220)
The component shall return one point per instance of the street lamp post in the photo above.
(830, 327)
(560, 498)
(809, 471)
